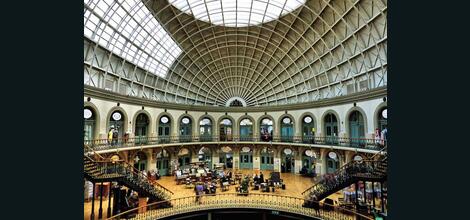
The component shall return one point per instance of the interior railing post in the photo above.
(109, 202)
(373, 195)
(100, 210)
(92, 216)
(382, 196)
(356, 197)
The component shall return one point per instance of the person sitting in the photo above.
(256, 180)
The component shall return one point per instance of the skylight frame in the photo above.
(129, 30)
(237, 13)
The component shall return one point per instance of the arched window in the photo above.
(185, 129)
(236, 103)
(246, 130)
(308, 130)
(381, 131)
(356, 129)
(89, 124)
(266, 129)
(141, 128)
(331, 128)
(205, 129)
(287, 129)
(225, 133)
(164, 129)
(163, 162)
(116, 127)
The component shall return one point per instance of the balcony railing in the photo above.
(282, 203)
(362, 143)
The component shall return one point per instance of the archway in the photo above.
(89, 124)
(309, 158)
(332, 162)
(225, 133)
(287, 129)
(246, 158)
(266, 129)
(356, 129)
(164, 129)
(116, 127)
(331, 129)
(163, 162)
(141, 128)
(205, 129)
(287, 161)
(267, 158)
(226, 156)
(184, 158)
(246, 129)
(140, 161)
(205, 155)
(185, 129)
(308, 129)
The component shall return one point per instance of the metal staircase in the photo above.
(101, 170)
(350, 173)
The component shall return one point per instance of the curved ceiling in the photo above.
(322, 49)
(237, 13)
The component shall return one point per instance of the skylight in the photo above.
(237, 13)
(129, 30)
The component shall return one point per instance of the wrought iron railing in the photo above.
(282, 203)
(124, 172)
(346, 175)
(361, 143)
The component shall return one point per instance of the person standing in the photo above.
(115, 136)
(110, 135)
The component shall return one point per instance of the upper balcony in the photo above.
(367, 144)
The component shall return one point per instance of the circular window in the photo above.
(308, 119)
(384, 113)
(117, 116)
(87, 113)
(357, 158)
(286, 120)
(185, 120)
(226, 122)
(164, 119)
(309, 153)
(226, 149)
(246, 149)
(267, 121)
(287, 151)
(206, 121)
(183, 151)
(332, 155)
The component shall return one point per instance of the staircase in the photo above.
(365, 170)
(102, 170)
